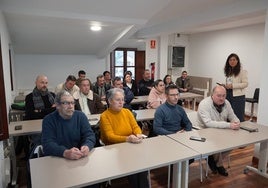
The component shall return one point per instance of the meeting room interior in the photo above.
(61, 37)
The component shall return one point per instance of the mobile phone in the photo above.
(93, 119)
(18, 127)
(197, 138)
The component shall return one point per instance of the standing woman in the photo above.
(236, 82)
(130, 83)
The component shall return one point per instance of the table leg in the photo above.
(262, 166)
(176, 183)
(13, 161)
(185, 174)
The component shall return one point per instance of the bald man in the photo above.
(40, 102)
(216, 112)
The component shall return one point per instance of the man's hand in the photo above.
(85, 150)
(73, 153)
(235, 125)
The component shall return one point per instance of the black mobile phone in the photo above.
(18, 127)
(197, 138)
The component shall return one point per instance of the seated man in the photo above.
(216, 112)
(81, 75)
(170, 117)
(100, 87)
(145, 84)
(87, 101)
(69, 85)
(129, 96)
(183, 82)
(66, 132)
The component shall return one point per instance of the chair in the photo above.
(253, 100)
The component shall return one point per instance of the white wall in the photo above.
(55, 67)
(5, 40)
(208, 52)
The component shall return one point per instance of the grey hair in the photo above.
(111, 92)
(60, 95)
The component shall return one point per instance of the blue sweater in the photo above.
(59, 134)
(170, 119)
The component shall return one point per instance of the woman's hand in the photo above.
(133, 139)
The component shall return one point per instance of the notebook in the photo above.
(249, 127)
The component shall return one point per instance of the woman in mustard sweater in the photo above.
(117, 125)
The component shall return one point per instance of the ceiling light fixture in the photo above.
(95, 28)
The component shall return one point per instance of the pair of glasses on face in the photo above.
(65, 103)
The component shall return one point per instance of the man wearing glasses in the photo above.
(170, 117)
(66, 132)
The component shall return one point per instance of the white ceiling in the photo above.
(62, 26)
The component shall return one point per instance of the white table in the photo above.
(190, 96)
(220, 140)
(113, 161)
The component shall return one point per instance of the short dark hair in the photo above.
(116, 79)
(71, 78)
(105, 72)
(81, 72)
(172, 86)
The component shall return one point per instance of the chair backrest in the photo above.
(256, 94)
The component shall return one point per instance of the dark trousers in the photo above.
(238, 104)
(139, 180)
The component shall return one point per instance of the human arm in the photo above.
(186, 123)
(153, 99)
(32, 113)
(129, 96)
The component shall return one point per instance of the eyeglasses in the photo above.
(67, 103)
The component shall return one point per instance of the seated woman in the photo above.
(157, 94)
(118, 125)
(168, 80)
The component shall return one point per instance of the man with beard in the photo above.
(67, 132)
(38, 104)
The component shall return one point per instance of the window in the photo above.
(123, 60)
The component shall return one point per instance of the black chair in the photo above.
(253, 100)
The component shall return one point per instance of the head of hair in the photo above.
(127, 73)
(81, 72)
(99, 76)
(71, 78)
(111, 92)
(184, 72)
(83, 79)
(105, 72)
(116, 79)
(164, 80)
(157, 82)
(145, 71)
(228, 70)
(216, 87)
(60, 95)
(173, 86)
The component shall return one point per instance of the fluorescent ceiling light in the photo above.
(95, 28)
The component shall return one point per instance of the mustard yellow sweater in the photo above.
(115, 127)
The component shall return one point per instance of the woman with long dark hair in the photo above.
(236, 82)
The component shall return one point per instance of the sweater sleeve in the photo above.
(244, 81)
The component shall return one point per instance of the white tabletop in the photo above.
(108, 162)
(218, 140)
(188, 95)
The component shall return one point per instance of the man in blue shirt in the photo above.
(66, 132)
(170, 117)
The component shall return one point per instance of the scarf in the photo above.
(37, 98)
